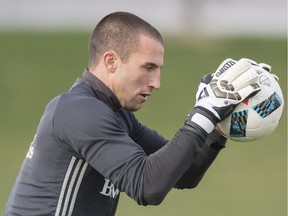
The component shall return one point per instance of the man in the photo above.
(89, 146)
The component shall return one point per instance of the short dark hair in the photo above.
(119, 31)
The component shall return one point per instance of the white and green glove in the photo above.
(219, 93)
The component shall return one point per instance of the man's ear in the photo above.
(110, 60)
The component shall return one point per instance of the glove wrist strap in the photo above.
(200, 121)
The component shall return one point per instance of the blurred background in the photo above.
(220, 17)
(43, 49)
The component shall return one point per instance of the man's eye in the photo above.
(150, 67)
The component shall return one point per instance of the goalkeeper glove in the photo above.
(219, 93)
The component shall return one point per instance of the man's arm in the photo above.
(213, 145)
(151, 141)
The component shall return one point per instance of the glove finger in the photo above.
(251, 61)
(236, 70)
(206, 78)
(265, 66)
(225, 65)
(276, 77)
(247, 78)
(248, 91)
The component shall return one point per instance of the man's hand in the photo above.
(219, 93)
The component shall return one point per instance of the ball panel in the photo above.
(268, 106)
(238, 123)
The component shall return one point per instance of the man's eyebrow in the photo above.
(153, 65)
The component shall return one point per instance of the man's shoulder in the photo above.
(81, 97)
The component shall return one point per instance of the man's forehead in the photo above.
(149, 51)
(150, 44)
(147, 37)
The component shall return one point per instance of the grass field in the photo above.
(248, 179)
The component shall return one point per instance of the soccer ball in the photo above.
(257, 116)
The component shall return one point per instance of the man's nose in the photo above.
(155, 83)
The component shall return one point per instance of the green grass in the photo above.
(247, 179)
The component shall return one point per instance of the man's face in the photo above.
(138, 76)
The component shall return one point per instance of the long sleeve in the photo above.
(213, 145)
